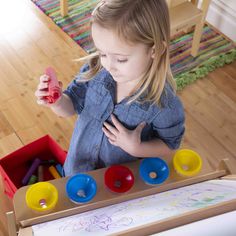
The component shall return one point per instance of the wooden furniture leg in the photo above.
(198, 28)
(64, 7)
(11, 223)
(195, 2)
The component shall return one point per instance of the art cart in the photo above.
(22, 220)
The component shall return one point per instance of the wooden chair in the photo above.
(185, 14)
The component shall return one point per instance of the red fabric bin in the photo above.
(15, 165)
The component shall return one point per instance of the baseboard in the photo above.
(222, 15)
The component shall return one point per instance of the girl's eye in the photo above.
(122, 61)
(102, 55)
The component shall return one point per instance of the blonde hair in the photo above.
(138, 21)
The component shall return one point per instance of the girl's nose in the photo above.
(110, 65)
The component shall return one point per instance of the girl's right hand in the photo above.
(42, 91)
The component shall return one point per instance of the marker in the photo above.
(33, 179)
(54, 172)
(48, 162)
(54, 88)
(31, 170)
(60, 170)
(40, 173)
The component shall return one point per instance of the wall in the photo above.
(222, 15)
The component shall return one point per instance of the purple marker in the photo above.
(31, 170)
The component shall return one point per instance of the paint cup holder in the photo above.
(81, 188)
(153, 170)
(187, 163)
(119, 179)
(41, 197)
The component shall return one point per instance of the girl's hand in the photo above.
(128, 140)
(42, 91)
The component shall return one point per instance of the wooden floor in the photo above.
(29, 42)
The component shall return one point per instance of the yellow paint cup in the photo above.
(187, 162)
(41, 197)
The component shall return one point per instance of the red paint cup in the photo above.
(118, 178)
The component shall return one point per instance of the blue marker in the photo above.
(60, 170)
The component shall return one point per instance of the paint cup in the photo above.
(41, 197)
(81, 188)
(187, 163)
(153, 170)
(118, 178)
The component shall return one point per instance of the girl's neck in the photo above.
(124, 90)
(121, 92)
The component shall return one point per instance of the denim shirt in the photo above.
(94, 101)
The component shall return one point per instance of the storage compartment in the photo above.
(15, 165)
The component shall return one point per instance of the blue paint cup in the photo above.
(81, 188)
(153, 170)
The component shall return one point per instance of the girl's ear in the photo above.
(164, 46)
(153, 52)
(162, 49)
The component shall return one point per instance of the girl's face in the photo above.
(126, 63)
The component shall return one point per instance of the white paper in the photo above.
(221, 225)
(141, 211)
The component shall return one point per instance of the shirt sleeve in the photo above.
(168, 125)
(77, 91)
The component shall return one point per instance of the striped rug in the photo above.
(215, 50)
(76, 24)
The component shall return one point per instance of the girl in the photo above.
(125, 94)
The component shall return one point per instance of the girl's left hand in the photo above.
(118, 135)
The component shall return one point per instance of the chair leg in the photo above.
(196, 38)
(195, 2)
(198, 28)
(64, 7)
